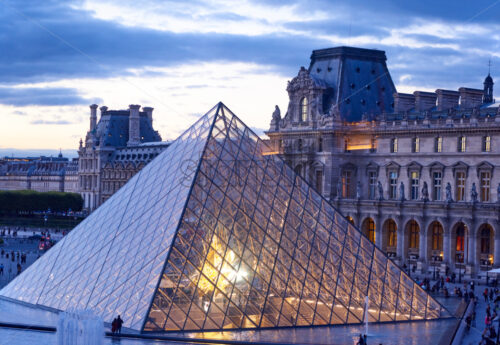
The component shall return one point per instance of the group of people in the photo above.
(20, 257)
(116, 325)
(491, 298)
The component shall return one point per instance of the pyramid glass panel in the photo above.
(214, 234)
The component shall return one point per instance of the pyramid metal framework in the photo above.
(215, 234)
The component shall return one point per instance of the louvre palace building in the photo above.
(418, 173)
(116, 147)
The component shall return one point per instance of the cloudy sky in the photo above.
(181, 57)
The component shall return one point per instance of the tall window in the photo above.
(393, 185)
(303, 109)
(437, 236)
(372, 177)
(370, 230)
(485, 240)
(346, 183)
(299, 144)
(319, 181)
(392, 239)
(415, 145)
(320, 145)
(438, 144)
(437, 180)
(460, 182)
(394, 145)
(461, 144)
(414, 185)
(485, 180)
(460, 239)
(414, 235)
(487, 143)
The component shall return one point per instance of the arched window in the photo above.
(303, 109)
(391, 233)
(437, 236)
(371, 230)
(460, 238)
(414, 235)
(485, 240)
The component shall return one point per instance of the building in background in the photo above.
(418, 173)
(116, 147)
(41, 174)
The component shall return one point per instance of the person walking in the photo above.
(486, 295)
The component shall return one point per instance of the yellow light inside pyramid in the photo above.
(216, 265)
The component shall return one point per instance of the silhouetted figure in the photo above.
(114, 325)
(119, 323)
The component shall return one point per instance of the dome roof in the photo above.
(488, 79)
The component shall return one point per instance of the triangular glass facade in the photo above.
(215, 234)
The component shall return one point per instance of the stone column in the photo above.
(149, 112)
(446, 247)
(400, 252)
(496, 253)
(134, 125)
(378, 232)
(471, 249)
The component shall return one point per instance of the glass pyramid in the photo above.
(215, 234)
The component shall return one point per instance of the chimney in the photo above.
(103, 110)
(403, 102)
(470, 98)
(149, 113)
(424, 100)
(93, 117)
(134, 125)
(447, 99)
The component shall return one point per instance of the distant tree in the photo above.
(28, 201)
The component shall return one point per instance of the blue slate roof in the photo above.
(358, 78)
(112, 129)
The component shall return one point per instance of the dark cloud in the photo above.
(105, 49)
(42, 96)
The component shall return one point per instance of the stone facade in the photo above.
(418, 173)
(41, 174)
(116, 147)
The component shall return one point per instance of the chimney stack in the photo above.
(134, 125)
(93, 117)
(149, 113)
(424, 100)
(470, 98)
(403, 102)
(103, 110)
(447, 99)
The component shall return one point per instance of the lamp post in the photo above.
(434, 274)
(487, 269)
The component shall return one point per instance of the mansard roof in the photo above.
(112, 129)
(359, 78)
